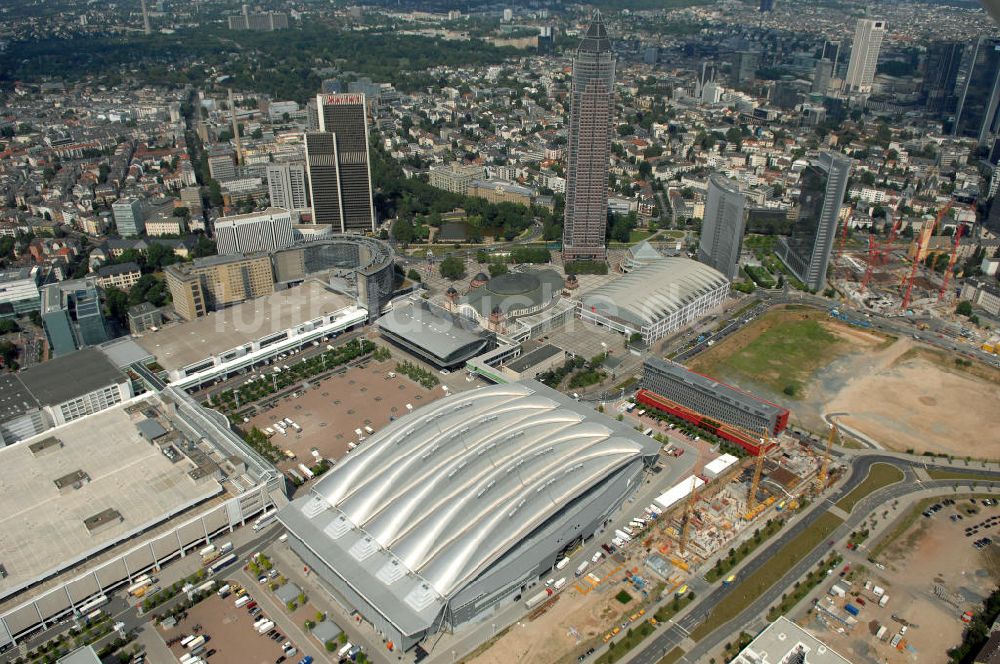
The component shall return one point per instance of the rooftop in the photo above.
(431, 501)
(70, 376)
(433, 330)
(783, 638)
(15, 399)
(516, 291)
(118, 268)
(178, 346)
(654, 291)
(46, 527)
(534, 357)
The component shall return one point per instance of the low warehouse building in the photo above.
(433, 334)
(452, 511)
(657, 298)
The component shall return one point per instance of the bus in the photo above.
(225, 561)
(138, 589)
(91, 604)
(265, 519)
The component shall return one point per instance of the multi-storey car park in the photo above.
(451, 512)
(93, 504)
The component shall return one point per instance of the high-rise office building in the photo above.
(337, 162)
(978, 113)
(744, 67)
(216, 282)
(267, 230)
(868, 36)
(129, 217)
(591, 107)
(722, 226)
(806, 251)
(821, 76)
(766, 5)
(941, 75)
(286, 184)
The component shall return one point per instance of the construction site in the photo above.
(701, 526)
(910, 267)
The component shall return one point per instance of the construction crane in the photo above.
(824, 467)
(843, 235)
(919, 247)
(757, 470)
(688, 511)
(951, 262)
(878, 252)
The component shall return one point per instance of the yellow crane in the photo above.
(757, 470)
(687, 513)
(824, 466)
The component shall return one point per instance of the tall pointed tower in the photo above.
(590, 114)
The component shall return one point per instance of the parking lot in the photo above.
(331, 411)
(229, 633)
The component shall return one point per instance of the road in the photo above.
(677, 631)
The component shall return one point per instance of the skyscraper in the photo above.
(978, 112)
(337, 162)
(941, 76)
(129, 217)
(766, 5)
(868, 36)
(286, 184)
(722, 227)
(591, 105)
(821, 76)
(806, 251)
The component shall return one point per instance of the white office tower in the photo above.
(286, 184)
(868, 36)
(268, 230)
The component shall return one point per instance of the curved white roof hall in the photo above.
(451, 488)
(655, 290)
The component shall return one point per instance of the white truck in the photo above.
(581, 568)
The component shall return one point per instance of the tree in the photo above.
(403, 231)
(964, 308)
(116, 301)
(497, 268)
(452, 267)
(413, 275)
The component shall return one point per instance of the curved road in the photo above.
(666, 640)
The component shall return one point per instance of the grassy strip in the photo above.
(672, 656)
(804, 587)
(942, 474)
(633, 637)
(668, 611)
(879, 475)
(744, 594)
(723, 565)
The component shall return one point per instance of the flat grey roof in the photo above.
(177, 346)
(44, 528)
(431, 329)
(70, 376)
(84, 655)
(123, 352)
(536, 356)
(15, 399)
(326, 631)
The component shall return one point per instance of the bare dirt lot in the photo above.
(932, 551)
(565, 629)
(920, 404)
(331, 410)
(898, 392)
